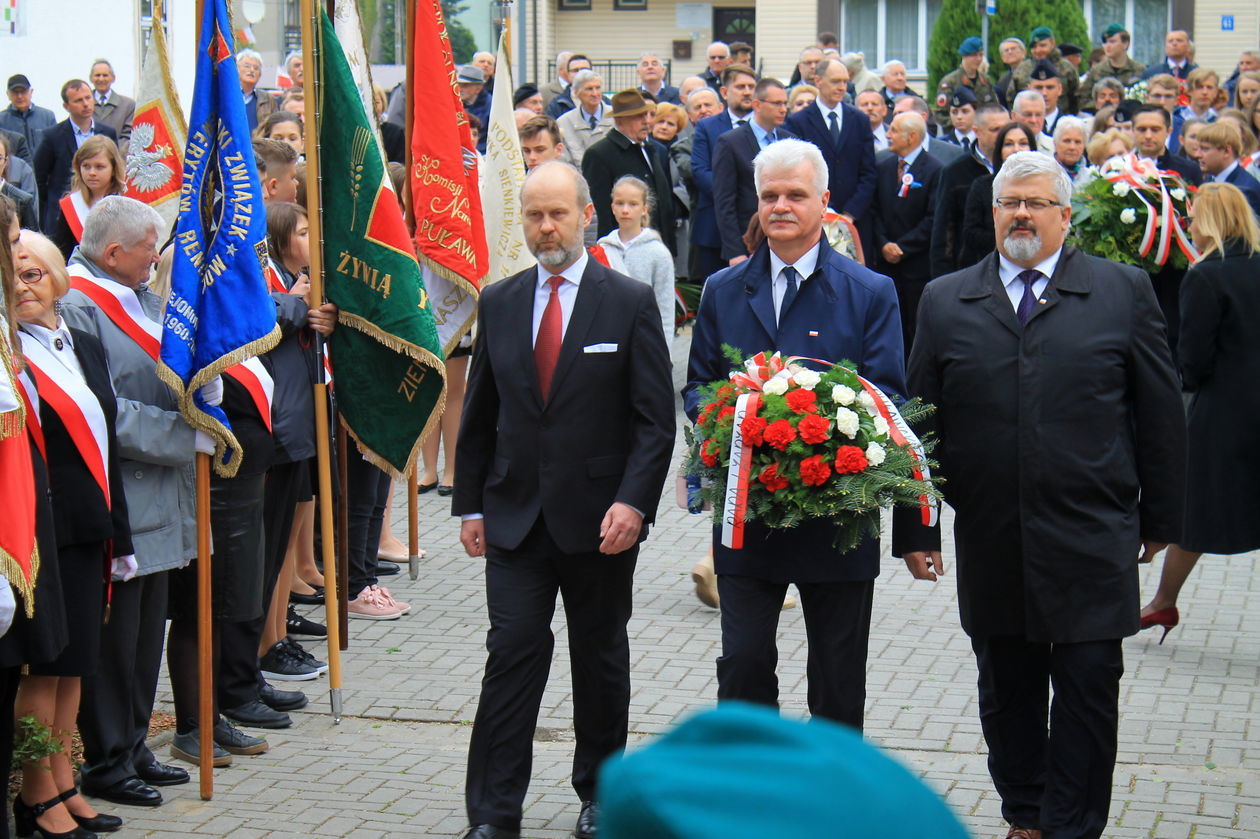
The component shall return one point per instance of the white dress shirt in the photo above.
(1009, 273)
(58, 342)
(804, 268)
(567, 292)
(827, 112)
(736, 119)
(881, 137)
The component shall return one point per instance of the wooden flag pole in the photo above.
(343, 527)
(409, 213)
(310, 72)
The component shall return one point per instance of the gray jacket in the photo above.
(155, 444)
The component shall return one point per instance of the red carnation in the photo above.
(779, 433)
(723, 392)
(771, 480)
(752, 428)
(850, 459)
(815, 471)
(726, 413)
(706, 413)
(802, 401)
(709, 452)
(814, 429)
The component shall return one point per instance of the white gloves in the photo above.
(212, 391)
(124, 568)
(8, 605)
(205, 443)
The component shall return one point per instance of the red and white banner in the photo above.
(735, 506)
(121, 306)
(74, 210)
(252, 375)
(158, 133)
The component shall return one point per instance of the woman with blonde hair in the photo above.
(97, 170)
(671, 120)
(1108, 144)
(801, 97)
(1219, 356)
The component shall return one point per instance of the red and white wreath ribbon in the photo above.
(1144, 178)
(735, 505)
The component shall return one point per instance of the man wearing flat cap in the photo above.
(1118, 63)
(475, 96)
(1043, 45)
(971, 52)
(626, 150)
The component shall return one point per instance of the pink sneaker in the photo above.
(370, 605)
(403, 608)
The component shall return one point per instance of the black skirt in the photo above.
(236, 528)
(83, 574)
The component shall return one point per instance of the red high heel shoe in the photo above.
(1167, 618)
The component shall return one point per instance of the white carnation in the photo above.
(867, 402)
(875, 454)
(1178, 193)
(881, 425)
(842, 395)
(807, 379)
(846, 422)
(1121, 188)
(775, 387)
(1128, 215)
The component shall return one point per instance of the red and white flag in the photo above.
(158, 132)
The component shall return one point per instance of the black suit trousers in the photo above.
(118, 702)
(1056, 779)
(837, 626)
(368, 488)
(521, 588)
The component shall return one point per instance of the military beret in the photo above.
(1044, 70)
(525, 91)
(1112, 29)
(1126, 109)
(962, 97)
(1041, 33)
(1066, 49)
(971, 46)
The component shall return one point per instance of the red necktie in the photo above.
(550, 334)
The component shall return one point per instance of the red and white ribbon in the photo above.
(74, 210)
(738, 472)
(121, 306)
(30, 400)
(899, 432)
(1144, 178)
(252, 375)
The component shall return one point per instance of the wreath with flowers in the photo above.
(779, 443)
(1131, 211)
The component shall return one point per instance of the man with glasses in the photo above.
(1072, 468)
(719, 58)
(258, 104)
(734, 193)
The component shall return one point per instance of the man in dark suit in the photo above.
(626, 151)
(652, 79)
(112, 108)
(734, 193)
(1177, 61)
(56, 150)
(1062, 448)
(955, 181)
(1220, 146)
(798, 296)
(843, 133)
(566, 441)
(565, 100)
(739, 86)
(945, 152)
(905, 200)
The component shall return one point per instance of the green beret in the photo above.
(1112, 29)
(1041, 33)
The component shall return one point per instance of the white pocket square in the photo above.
(600, 348)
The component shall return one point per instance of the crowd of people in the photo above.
(838, 214)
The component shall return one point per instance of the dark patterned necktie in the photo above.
(1026, 303)
(789, 274)
(834, 119)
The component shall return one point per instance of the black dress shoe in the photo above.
(257, 715)
(131, 791)
(446, 490)
(314, 599)
(489, 831)
(585, 828)
(160, 775)
(386, 569)
(282, 700)
(423, 488)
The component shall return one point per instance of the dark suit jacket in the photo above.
(907, 221)
(668, 93)
(851, 164)
(79, 507)
(951, 201)
(25, 202)
(1163, 67)
(605, 434)
(734, 195)
(613, 156)
(704, 229)
(1250, 187)
(17, 144)
(52, 166)
(1183, 166)
(842, 311)
(1062, 446)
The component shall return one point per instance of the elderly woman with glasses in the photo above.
(93, 539)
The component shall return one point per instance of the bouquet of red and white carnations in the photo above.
(780, 443)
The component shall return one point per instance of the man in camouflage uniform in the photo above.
(968, 73)
(1043, 46)
(1118, 63)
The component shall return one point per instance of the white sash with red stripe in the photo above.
(273, 278)
(74, 210)
(121, 306)
(253, 376)
(68, 395)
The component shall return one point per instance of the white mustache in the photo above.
(783, 217)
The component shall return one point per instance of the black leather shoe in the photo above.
(282, 700)
(257, 715)
(585, 828)
(160, 775)
(446, 490)
(489, 831)
(314, 599)
(386, 569)
(131, 791)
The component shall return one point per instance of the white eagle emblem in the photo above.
(146, 167)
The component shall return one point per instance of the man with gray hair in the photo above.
(718, 57)
(560, 83)
(110, 298)
(1073, 469)
(258, 103)
(589, 120)
(112, 108)
(797, 296)
(652, 79)
(1029, 109)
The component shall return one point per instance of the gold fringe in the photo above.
(16, 576)
(12, 422)
(388, 339)
(172, 95)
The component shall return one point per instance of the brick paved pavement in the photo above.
(395, 766)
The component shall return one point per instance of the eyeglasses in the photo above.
(30, 276)
(774, 103)
(1034, 205)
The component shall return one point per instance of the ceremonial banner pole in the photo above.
(313, 209)
(343, 527)
(413, 522)
(413, 481)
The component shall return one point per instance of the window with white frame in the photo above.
(1146, 20)
(883, 30)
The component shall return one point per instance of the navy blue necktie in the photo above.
(834, 119)
(1026, 303)
(789, 274)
